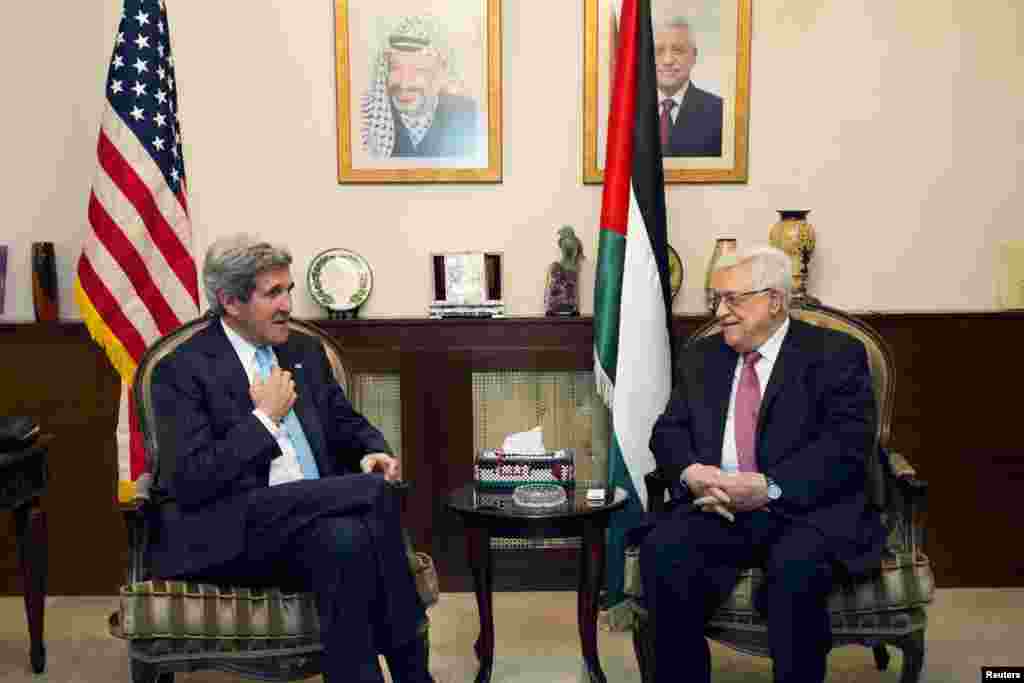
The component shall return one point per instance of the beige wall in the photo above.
(898, 123)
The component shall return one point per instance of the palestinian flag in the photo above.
(632, 349)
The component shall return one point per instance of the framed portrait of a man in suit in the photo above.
(419, 90)
(702, 62)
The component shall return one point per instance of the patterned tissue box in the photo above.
(498, 469)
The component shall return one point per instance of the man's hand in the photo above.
(747, 490)
(275, 395)
(705, 480)
(705, 483)
(382, 462)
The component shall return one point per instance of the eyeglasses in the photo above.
(733, 299)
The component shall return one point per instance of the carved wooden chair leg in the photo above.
(913, 656)
(30, 524)
(881, 656)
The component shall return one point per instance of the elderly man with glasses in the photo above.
(769, 425)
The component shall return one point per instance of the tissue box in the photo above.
(498, 469)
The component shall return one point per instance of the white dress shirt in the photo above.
(763, 367)
(285, 467)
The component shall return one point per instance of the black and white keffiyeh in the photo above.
(412, 34)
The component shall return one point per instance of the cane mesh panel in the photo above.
(378, 396)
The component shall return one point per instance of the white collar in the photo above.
(770, 349)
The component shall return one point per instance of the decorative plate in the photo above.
(339, 279)
(675, 271)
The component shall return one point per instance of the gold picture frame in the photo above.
(722, 32)
(393, 133)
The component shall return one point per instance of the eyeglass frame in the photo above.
(733, 299)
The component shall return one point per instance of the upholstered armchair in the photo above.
(171, 626)
(884, 607)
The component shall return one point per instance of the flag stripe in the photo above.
(121, 292)
(621, 119)
(126, 220)
(127, 258)
(138, 193)
(107, 307)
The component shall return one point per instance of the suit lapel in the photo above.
(227, 369)
(789, 365)
(290, 359)
(718, 376)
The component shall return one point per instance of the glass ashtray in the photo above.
(539, 495)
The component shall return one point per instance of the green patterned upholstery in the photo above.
(902, 583)
(182, 609)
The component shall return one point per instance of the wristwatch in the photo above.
(774, 490)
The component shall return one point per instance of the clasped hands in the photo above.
(725, 493)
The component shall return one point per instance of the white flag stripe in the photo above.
(643, 377)
(122, 137)
(124, 214)
(121, 289)
(122, 436)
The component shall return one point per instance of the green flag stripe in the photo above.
(607, 298)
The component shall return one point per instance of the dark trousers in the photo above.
(304, 536)
(690, 562)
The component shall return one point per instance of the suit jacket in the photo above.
(214, 451)
(697, 130)
(815, 431)
(454, 131)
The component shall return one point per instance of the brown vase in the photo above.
(724, 246)
(795, 236)
(44, 282)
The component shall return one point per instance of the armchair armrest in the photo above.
(657, 482)
(906, 494)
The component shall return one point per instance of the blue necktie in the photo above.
(290, 423)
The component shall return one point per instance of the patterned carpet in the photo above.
(537, 643)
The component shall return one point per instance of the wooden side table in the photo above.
(488, 513)
(23, 476)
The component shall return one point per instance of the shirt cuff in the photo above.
(273, 428)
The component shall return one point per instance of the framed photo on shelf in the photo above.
(419, 91)
(702, 54)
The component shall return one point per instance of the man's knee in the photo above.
(344, 537)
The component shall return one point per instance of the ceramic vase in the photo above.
(724, 246)
(44, 282)
(795, 236)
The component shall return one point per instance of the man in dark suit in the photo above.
(772, 478)
(275, 479)
(690, 118)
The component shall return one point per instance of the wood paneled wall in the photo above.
(955, 417)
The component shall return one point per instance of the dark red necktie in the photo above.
(666, 120)
(748, 404)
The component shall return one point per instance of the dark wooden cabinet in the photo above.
(955, 413)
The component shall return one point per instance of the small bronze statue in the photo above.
(561, 292)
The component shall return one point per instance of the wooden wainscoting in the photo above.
(955, 416)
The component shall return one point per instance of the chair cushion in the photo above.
(902, 582)
(183, 609)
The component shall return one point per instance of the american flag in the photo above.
(136, 278)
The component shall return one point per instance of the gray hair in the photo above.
(680, 23)
(232, 264)
(770, 268)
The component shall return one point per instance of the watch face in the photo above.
(774, 492)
